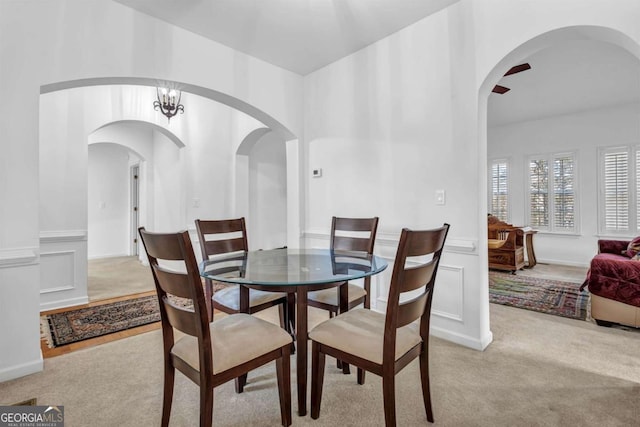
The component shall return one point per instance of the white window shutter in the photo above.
(500, 189)
(616, 190)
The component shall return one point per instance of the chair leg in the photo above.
(206, 404)
(339, 364)
(317, 379)
(424, 377)
(240, 383)
(283, 370)
(291, 308)
(290, 319)
(389, 397)
(169, 376)
(283, 315)
(361, 376)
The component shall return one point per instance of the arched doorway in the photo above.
(208, 185)
(600, 117)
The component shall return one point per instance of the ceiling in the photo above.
(298, 35)
(305, 35)
(567, 78)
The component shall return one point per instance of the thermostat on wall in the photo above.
(317, 173)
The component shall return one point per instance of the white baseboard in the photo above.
(21, 370)
(93, 257)
(464, 340)
(45, 306)
(569, 263)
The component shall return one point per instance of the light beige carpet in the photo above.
(541, 370)
(117, 276)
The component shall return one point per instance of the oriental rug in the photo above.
(543, 295)
(84, 323)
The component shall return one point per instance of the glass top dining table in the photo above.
(293, 270)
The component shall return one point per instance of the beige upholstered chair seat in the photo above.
(235, 339)
(360, 332)
(330, 296)
(230, 297)
(495, 243)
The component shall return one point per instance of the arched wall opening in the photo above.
(261, 187)
(520, 54)
(202, 177)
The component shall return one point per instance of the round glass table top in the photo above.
(291, 267)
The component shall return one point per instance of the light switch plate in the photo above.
(440, 197)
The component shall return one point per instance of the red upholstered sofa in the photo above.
(614, 283)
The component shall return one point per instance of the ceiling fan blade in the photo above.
(518, 69)
(500, 89)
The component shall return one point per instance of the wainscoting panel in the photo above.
(58, 271)
(63, 269)
(448, 296)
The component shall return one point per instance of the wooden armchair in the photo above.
(506, 245)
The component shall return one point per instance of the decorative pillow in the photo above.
(634, 247)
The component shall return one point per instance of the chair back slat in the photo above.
(412, 310)
(221, 236)
(165, 247)
(173, 283)
(414, 278)
(181, 318)
(215, 247)
(425, 242)
(356, 224)
(344, 243)
(221, 226)
(190, 318)
(406, 277)
(365, 228)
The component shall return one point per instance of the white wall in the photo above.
(45, 43)
(581, 133)
(382, 124)
(169, 182)
(109, 200)
(406, 116)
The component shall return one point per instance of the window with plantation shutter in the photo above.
(552, 193)
(499, 203)
(619, 196)
(563, 193)
(539, 193)
(616, 190)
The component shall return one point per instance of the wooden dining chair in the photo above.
(350, 235)
(224, 237)
(385, 344)
(213, 353)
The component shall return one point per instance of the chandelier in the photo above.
(166, 102)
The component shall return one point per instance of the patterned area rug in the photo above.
(543, 295)
(84, 323)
